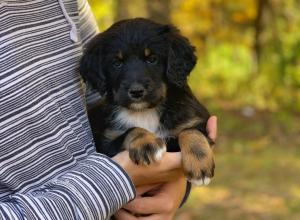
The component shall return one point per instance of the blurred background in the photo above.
(248, 74)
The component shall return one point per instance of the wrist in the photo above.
(122, 159)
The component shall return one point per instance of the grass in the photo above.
(258, 170)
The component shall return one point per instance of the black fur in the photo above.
(115, 60)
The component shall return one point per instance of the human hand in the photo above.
(211, 127)
(167, 169)
(161, 202)
(164, 199)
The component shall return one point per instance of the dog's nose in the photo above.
(136, 91)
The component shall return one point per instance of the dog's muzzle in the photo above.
(136, 92)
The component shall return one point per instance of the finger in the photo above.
(124, 215)
(212, 127)
(150, 205)
(170, 161)
(162, 176)
(140, 190)
(157, 217)
(153, 191)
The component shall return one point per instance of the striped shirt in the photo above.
(48, 165)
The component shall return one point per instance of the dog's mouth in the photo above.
(146, 104)
(138, 106)
(139, 101)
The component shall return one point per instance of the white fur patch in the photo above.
(158, 154)
(206, 181)
(147, 119)
(201, 182)
(139, 106)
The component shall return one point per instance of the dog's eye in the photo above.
(117, 63)
(152, 59)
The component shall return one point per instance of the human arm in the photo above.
(167, 169)
(94, 189)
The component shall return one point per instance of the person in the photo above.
(48, 165)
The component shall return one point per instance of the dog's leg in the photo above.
(143, 146)
(197, 157)
(109, 147)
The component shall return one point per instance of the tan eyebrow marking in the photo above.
(120, 55)
(147, 52)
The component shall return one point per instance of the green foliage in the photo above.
(231, 69)
(214, 74)
(104, 12)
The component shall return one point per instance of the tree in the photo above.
(156, 10)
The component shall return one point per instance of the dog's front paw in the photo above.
(197, 157)
(198, 172)
(144, 147)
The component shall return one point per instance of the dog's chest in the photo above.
(148, 120)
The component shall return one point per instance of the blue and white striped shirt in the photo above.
(48, 165)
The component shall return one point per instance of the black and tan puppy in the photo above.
(140, 68)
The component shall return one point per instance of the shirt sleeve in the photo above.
(94, 189)
(187, 194)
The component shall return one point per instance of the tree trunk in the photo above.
(159, 10)
(258, 25)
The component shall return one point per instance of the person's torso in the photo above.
(43, 124)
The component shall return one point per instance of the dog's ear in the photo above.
(90, 65)
(181, 57)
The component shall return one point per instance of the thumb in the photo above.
(212, 127)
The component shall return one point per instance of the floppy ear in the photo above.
(90, 65)
(181, 58)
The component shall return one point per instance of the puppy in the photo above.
(140, 68)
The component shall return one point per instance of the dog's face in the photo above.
(134, 67)
(136, 61)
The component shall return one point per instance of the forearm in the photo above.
(94, 189)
